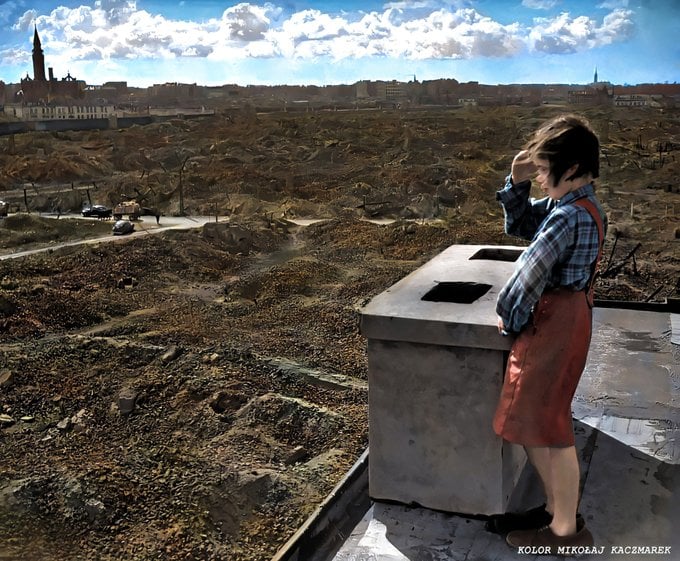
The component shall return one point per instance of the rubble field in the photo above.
(196, 394)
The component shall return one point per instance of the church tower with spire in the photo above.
(44, 87)
(38, 58)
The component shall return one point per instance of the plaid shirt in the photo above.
(564, 245)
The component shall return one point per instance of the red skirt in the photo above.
(545, 365)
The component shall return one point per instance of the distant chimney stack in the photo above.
(51, 74)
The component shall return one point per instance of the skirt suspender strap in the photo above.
(592, 210)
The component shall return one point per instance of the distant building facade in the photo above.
(394, 91)
(109, 92)
(25, 112)
(172, 93)
(589, 96)
(631, 100)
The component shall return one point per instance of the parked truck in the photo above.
(131, 208)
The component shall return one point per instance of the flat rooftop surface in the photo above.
(627, 413)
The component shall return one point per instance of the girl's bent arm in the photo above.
(523, 215)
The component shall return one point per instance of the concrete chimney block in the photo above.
(435, 369)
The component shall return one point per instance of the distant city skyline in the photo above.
(334, 42)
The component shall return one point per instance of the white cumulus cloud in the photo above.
(567, 34)
(425, 29)
(25, 21)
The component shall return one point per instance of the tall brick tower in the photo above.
(38, 58)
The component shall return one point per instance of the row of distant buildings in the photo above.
(45, 98)
(95, 102)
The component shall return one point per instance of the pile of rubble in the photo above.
(195, 395)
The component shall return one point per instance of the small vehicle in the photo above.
(4, 209)
(131, 208)
(98, 211)
(122, 228)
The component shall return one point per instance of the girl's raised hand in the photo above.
(522, 167)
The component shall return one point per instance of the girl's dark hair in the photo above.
(564, 141)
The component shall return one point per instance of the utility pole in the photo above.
(28, 210)
(181, 194)
(181, 187)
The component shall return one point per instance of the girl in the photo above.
(547, 302)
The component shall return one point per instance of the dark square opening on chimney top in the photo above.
(456, 292)
(497, 254)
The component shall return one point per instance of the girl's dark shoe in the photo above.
(544, 542)
(510, 521)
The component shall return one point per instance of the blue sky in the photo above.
(210, 42)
